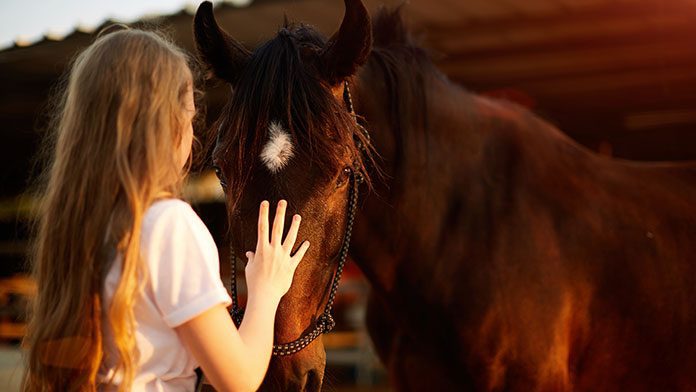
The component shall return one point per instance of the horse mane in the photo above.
(404, 66)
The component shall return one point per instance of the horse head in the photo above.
(287, 132)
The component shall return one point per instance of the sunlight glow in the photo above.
(24, 23)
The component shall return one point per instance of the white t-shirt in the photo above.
(183, 281)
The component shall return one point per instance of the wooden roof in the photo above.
(616, 73)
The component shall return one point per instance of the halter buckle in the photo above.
(326, 322)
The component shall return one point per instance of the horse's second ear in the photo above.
(349, 47)
(224, 55)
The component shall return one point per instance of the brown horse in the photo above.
(502, 255)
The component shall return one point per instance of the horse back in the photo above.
(588, 263)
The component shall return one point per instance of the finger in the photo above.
(279, 223)
(300, 253)
(292, 233)
(263, 224)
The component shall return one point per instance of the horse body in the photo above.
(504, 256)
(501, 254)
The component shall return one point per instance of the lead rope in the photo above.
(237, 313)
(325, 322)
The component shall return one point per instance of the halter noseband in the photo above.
(325, 321)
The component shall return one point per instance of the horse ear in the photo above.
(224, 55)
(349, 47)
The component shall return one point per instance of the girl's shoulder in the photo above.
(167, 204)
(168, 214)
(168, 208)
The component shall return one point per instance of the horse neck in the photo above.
(438, 170)
(416, 159)
(407, 131)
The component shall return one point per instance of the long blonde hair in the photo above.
(113, 153)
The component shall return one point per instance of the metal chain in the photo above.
(325, 322)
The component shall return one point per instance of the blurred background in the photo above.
(618, 76)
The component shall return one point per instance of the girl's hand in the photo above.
(270, 269)
(212, 337)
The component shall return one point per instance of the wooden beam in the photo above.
(646, 89)
(568, 63)
(601, 14)
(582, 35)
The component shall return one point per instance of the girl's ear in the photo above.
(224, 55)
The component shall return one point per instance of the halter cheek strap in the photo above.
(325, 321)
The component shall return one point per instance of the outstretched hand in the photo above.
(271, 267)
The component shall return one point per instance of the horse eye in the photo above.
(218, 173)
(343, 178)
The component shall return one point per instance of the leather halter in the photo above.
(325, 321)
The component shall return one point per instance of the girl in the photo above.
(130, 296)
